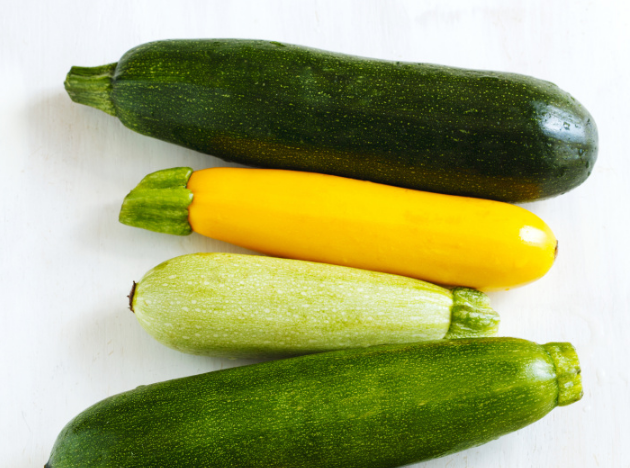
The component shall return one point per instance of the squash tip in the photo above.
(131, 295)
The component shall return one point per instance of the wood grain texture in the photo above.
(66, 264)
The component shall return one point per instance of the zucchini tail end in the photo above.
(130, 296)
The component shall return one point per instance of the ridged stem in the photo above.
(160, 202)
(568, 371)
(92, 86)
(471, 315)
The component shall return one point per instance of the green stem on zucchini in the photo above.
(92, 86)
(160, 202)
(471, 315)
(568, 371)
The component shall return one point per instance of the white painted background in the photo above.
(67, 338)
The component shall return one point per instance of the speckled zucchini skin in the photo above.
(233, 305)
(475, 133)
(379, 407)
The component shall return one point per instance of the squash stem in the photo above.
(568, 371)
(92, 86)
(471, 315)
(160, 202)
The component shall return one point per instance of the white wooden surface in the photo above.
(67, 338)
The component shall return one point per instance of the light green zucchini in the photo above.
(378, 407)
(251, 306)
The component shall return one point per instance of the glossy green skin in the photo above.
(475, 133)
(377, 407)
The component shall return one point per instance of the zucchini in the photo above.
(474, 133)
(377, 407)
(481, 244)
(251, 306)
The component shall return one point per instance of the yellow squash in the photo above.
(444, 239)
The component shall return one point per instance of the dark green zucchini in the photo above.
(476, 133)
(377, 407)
